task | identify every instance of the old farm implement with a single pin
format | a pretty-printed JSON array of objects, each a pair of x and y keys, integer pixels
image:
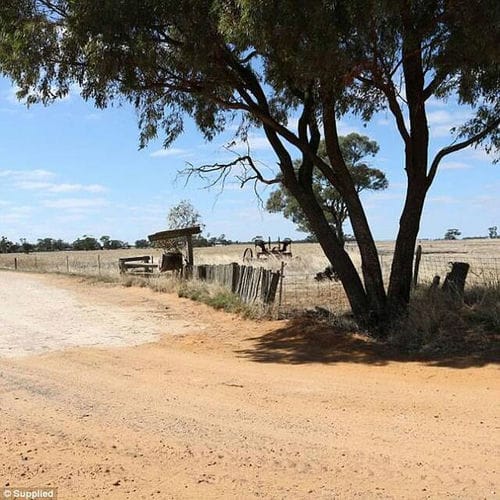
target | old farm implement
[
  {"x": 177, "y": 256},
  {"x": 263, "y": 250}
]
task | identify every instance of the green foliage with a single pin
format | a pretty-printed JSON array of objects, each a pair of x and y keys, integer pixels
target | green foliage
[
  {"x": 493, "y": 232},
  {"x": 26, "y": 246},
  {"x": 354, "y": 148},
  {"x": 210, "y": 241},
  {"x": 168, "y": 58},
  {"x": 86, "y": 243},
  {"x": 51, "y": 245},
  {"x": 452, "y": 234},
  {"x": 7, "y": 246},
  {"x": 109, "y": 244},
  {"x": 142, "y": 244}
]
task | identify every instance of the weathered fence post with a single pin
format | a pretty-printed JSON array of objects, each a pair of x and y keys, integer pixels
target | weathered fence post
[
  {"x": 418, "y": 257},
  {"x": 15, "y": 263},
  {"x": 273, "y": 285},
  {"x": 235, "y": 277},
  {"x": 454, "y": 282},
  {"x": 67, "y": 264},
  {"x": 282, "y": 275},
  {"x": 99, "y": 264}
]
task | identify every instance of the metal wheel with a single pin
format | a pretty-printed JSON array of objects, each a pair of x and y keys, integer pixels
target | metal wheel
[{"x": 247, "y": 254}]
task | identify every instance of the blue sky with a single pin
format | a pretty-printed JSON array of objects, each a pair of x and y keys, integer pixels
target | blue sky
[{"x": 70, "y": 169}]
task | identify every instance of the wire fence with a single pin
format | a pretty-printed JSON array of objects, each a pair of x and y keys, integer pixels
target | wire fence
[
  {"x": 298, "y": 290},
  {"x": 95, "y": 264},
  {"x": 303, "y": 291},
  {"x": 483, "y": 271}
]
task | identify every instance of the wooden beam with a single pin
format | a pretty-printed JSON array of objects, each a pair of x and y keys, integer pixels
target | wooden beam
[
  {"x": 190, "y": 258},
  {"x": 174, "y": 233}
]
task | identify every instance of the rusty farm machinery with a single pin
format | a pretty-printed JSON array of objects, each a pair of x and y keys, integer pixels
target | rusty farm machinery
[{"x": 265, "y": 250}]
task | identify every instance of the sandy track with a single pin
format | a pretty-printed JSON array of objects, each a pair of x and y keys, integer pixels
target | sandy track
[{"x": 197, "y": 415}]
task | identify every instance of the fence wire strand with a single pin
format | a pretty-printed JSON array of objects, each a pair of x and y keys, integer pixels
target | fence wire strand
[{"x": 299, "y": 290}]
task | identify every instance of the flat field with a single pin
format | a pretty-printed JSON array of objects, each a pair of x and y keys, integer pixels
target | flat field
[{"x": 307, "y": 258}]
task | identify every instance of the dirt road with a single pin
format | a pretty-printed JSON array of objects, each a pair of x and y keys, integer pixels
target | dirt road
[{"x": 213, "y": 406}]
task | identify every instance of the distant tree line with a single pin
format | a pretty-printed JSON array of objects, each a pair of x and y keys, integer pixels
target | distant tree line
[
  {"x": 453, "y": 234},
  {"x": 85, "y": 242}
]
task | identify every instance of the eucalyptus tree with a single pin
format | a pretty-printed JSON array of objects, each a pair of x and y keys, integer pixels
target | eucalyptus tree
[
  {"x": 265, "y": 62},
  {"x": 355, "y": 148}
]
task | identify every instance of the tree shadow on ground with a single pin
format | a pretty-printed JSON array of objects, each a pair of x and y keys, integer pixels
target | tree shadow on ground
[{"x": 303, "y": 341}]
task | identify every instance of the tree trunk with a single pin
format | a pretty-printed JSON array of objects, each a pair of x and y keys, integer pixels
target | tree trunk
[
  {"x": 402, "y": 262},
  {"x": 335, "y": 253},
  {"x": 341, "y": 179},
  {"x": 416, "y": 157},
  {"x": 372, "y": 272}
]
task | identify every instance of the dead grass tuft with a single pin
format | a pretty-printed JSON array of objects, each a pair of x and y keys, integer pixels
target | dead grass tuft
[{"x": 438, "y": 324}]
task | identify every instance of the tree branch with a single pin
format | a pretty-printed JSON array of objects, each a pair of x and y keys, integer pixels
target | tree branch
[
  {"x": 390, "y": 93},
  {"x": 433, "y": 85},
  {"x": 457, "y": 147},
  {"x": 223, "y": 170}
]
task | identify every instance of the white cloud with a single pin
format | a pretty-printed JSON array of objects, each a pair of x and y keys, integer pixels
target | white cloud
[
  {"x": 75, "y": 203},
  {"x": 434, "y": 102},
  {"x": 345, "y": 128},
  {"x": 484, "y": 198},
  {"x": 486, "y": 203},
  {"x": 441, "y": 121},
  {"x": 478, "y": 154},
  {"x": 384, "y": 196},
  {"x": 454, "y": 165},
  {"x": 443, "y": 199},
  {"x": 64, "y": 219},
  {"x": 178, "y": 152},
  {"x": 15, "y": 214},
  {"x": 69, "y": 188},
  {"x": 41, "y": 180},
  {"x": 255, "y": 142},
  {"x": 383, "y": 122},
  {"x": 27, "y": 175},
  {"x": 32, "y": 185}
]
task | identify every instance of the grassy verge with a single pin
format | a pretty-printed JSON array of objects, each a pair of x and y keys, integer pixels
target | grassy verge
[
  {"x": 438, "y": 324},
  {"x": 219, "y": 298},
  {"x": 210, "y": 294}
]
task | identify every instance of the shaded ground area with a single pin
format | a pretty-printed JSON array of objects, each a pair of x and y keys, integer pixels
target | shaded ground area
[
  {"x": 305, "y": 340},
  {"x": 193, "y": 415}
]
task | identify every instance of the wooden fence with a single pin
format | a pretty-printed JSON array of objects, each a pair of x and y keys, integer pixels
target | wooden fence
[{"x": 251, "y": 284}]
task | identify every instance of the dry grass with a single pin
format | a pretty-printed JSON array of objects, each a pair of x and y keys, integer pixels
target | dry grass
[
  {"x": 307, "y": 257},
  {"x": 300, "y": 289},
  {"x": 437, "y": 323}
]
